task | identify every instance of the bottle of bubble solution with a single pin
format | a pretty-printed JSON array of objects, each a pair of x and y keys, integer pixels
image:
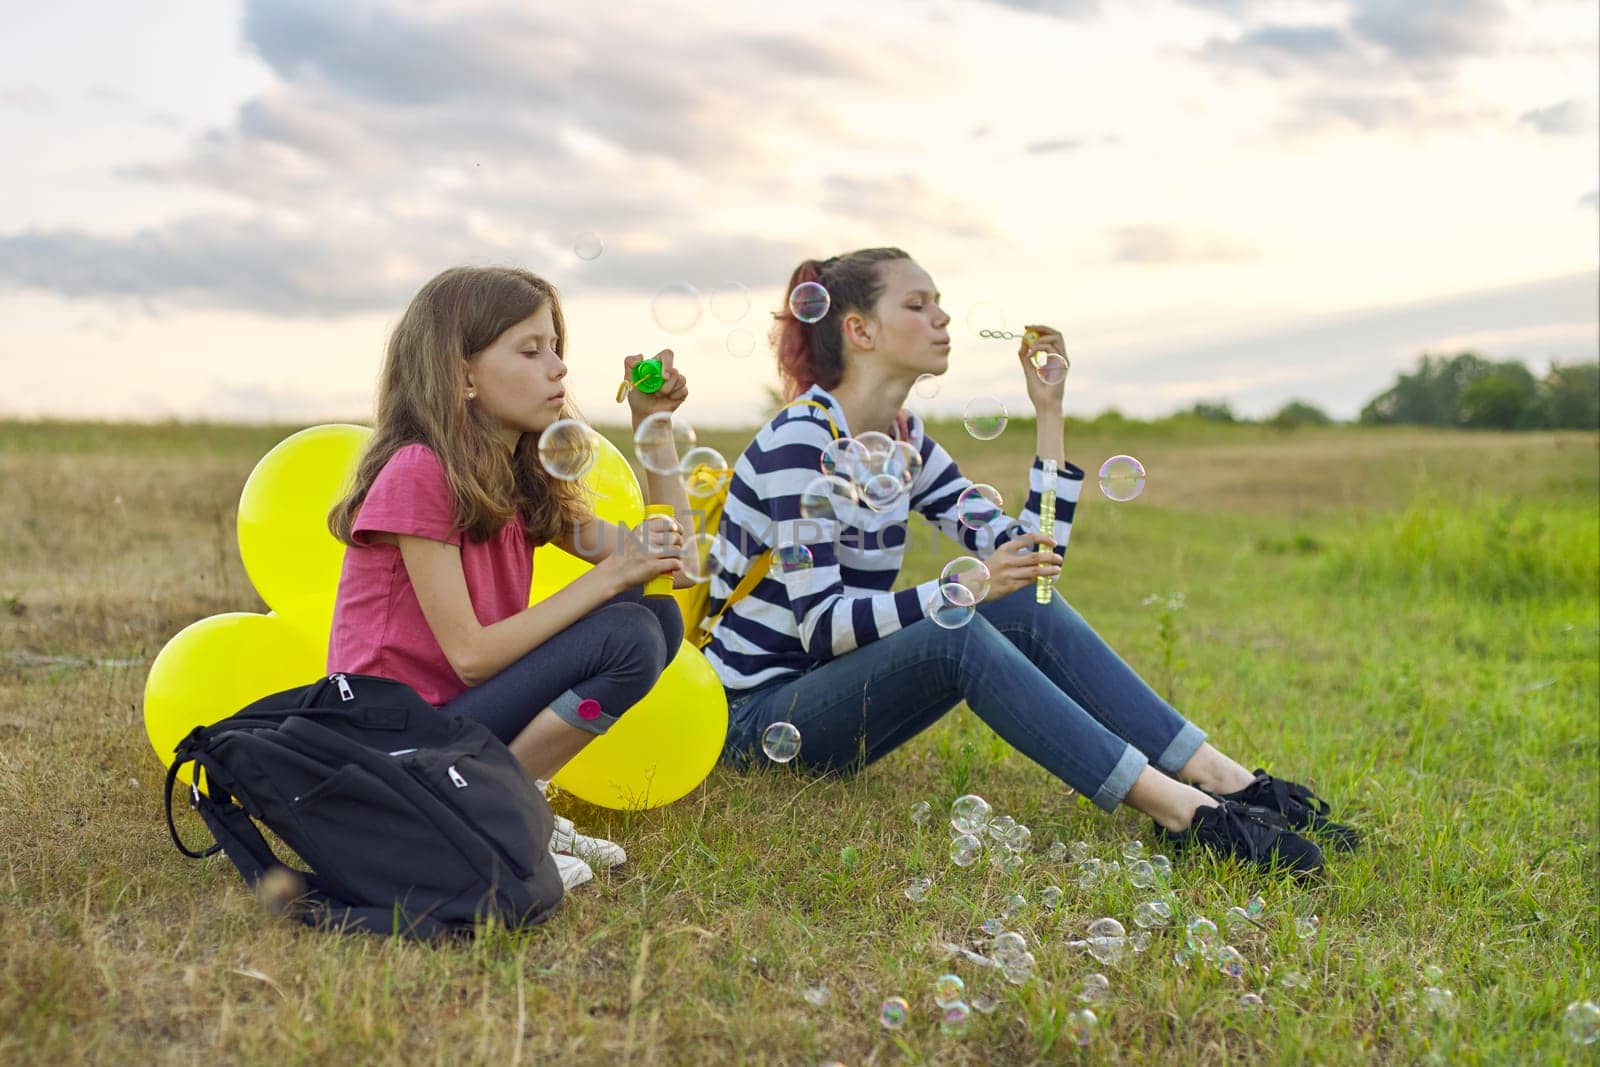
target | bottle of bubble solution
[
  {"x": 1047, "y": 524},
  {"x": 661, "y": 586}
]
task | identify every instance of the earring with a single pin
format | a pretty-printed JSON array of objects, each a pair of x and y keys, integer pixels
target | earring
[{"x": 472, "y": 394}]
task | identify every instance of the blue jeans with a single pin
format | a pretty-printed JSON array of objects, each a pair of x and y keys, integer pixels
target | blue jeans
[
  {"x": 589, "y": 674},
  {"x": 1037, "y": 674}
]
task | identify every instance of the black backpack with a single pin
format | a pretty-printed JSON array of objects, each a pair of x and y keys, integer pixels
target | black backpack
[{"x": 413, "y": 822}]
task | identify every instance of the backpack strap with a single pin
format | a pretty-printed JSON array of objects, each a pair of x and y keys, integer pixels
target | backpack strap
[{"x": 763, "y": 563}]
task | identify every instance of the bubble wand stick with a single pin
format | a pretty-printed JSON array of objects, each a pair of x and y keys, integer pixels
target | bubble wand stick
[{"x": 1047, "y": 522}]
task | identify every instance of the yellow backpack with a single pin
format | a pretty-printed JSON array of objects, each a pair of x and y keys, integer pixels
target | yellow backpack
[{"x": 707, "y": 489}]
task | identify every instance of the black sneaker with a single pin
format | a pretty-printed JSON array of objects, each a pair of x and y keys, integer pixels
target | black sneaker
[
  {"x": 1301, "y": 808},
  {"x": 1250, "y": 833}
]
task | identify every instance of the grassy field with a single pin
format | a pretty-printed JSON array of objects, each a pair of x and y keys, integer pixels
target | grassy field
[{"x": 1408, "y": 620}]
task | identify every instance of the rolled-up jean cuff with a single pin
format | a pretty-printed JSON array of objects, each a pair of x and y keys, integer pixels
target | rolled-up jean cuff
[
  {"x": 586, "y": 715},
  {"x": 1120, "y": 780},
  {"x": 1182, "y": 749}
]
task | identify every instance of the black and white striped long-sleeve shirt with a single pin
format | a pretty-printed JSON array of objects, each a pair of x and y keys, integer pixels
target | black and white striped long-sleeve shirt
[{"x": 793, "y": 620}]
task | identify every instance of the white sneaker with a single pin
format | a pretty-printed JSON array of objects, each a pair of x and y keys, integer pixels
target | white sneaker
[
  {"x": 597, "y": 851},
  {"x": 574, "y": 872}
]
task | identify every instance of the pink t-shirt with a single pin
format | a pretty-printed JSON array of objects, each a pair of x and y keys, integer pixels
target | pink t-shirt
[{"x": 378, "y": 626}]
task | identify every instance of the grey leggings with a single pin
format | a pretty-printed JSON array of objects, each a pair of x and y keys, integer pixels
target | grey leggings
[{"x": 589, "y": 673}]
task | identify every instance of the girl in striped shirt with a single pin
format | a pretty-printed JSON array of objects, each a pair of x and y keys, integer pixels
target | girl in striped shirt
[{"x": 857, "y": 667}]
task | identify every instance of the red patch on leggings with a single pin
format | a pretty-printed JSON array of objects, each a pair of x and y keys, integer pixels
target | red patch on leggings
[{"x": 588, "y": 709}]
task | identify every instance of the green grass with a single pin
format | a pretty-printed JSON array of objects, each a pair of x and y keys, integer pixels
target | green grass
[{"x": 1407, "y": 619}]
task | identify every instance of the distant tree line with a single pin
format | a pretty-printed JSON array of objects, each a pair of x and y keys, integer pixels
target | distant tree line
[{"x": 1464, "y": 390}]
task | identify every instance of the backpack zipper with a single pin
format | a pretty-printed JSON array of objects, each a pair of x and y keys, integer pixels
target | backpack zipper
[
  {"x": 455, "y": 777},
  {"x": 346, "y": 694}
]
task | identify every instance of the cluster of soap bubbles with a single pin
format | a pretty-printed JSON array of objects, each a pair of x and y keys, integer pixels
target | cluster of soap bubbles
[
  {"x": 664, "y": 444},
  {"x": 678, "y": 307}
]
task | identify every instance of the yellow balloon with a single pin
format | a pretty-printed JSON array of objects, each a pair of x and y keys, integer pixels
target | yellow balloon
[
  {"x": 662, "y": 747},
  {"x": 291, "y": 558},
  {"x": 216, "y": 666},
  {"x": 614, "y": 491}
]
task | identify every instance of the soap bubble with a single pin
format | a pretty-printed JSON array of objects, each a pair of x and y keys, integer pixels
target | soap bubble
[
  {"x": 947, "y": 989},
  {"x": 1106, "y": 940},
  {"x": 921, "y": 812},
  {"x": 793, "y": 559},
  {"x": 1252, "y": 1002},
  {"x": 1056, "y": 852},
  {"x": 1162, "y": 866},
  {"x": 1230, "y": 961},
  {"x": 882, "y": 491},
  {"x": 809, "y": 302},
  {"x": 1141, "y": 875},
  {"x": 567, "y": 449},
  {"x": 700, "y": 560},
  {"x": 985, "y": 418},
  {"x": 1020, "y": 839},
  {"x": 1139, "y": 940},
  {"x": 1091, "y": 872},
  {"x": 1438, "y": 1001},
  {"x": 879, "y": 448},
  {"x": 1007, "y": 945},
  {"x": 1237, "y": 920},
  {"x": 1093, "y": 988},
  {"x": 1133, "y": 850},
  {"x": 1005, "y": 862},
  {"x": 893, "y": 1013},
  {"x": 1016, "y": 903},
  {"x": 661, "y": 441},
  {"x": 985, "y": 315},
  {"x": 1081, "y": 851},
  {"x": 955, "y": 1018},
  {"x": 926, "y": 386},
  {"x": 1581, "y": 1022},
  {"x": 1019, "y": 969},
  {"x": 1081, "y": 1025},
  {"x": 917, "y": 889},
  {"x": 1255, "y": 907},
  {"x": 905, "y": 463},
  {"x": 1306, "y": 926},
  {"x": 704, "y": 470},
  {"x": 827, "y": 498},
  {"x": 952, "y": 606},
  {"x": 974, "y": 574},
  {"x": 1049, "y": 367},
  {"x": 740, "y": 342},
  {"x": 992, "y": 927},
  {"x": 676, "y": 307},
  {"x": 970, "y": 813},
  {"x": 730, "y": 302},
  {"x": 588, "y": 246},
  {"x": 978, "y": 506},
  {"x": 1051, "y": 897},
  {"x": 781, "y": 742},
  {"x": 1201, "y": 935},
  {"x": 1000, "y": 826},
  {"x": 1121, "y": 478},
  {"x": 1152, "y": 913},
  {"x": 965, "y": 850},
  {"x": 846, "y": 458}
]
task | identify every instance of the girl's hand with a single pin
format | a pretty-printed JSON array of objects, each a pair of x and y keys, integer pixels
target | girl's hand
[
  {"x": 673, "y": 392},
  {"x": 1016, "y": 564},
  {"x": 1045, "y": 398},
  {"x": 649, "y": 552}
]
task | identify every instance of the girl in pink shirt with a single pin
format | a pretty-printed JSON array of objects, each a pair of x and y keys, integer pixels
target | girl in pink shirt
[{"x": 450, "y": 500}]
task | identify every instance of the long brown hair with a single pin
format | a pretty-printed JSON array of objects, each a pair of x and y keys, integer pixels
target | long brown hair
[
  {"x": 813, "y": 353},
  {"x": 421, "y": 400}
]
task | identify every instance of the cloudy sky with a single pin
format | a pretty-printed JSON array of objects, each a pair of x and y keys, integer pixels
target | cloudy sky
[{"x": 218, "y": 208}]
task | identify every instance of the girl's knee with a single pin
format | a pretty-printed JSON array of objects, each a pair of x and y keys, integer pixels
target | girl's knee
[{"x": 633, "y": 639}]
